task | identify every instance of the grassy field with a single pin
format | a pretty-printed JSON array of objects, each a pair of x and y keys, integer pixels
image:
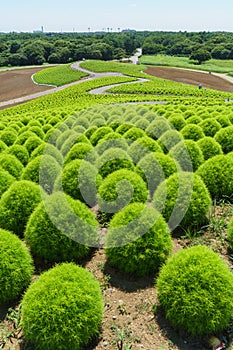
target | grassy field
[
  {"x": 218, "y": 66},
  {"x": 58, "y": 76}
]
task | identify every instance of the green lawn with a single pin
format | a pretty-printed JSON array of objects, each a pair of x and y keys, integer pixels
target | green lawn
[
  {"x": 59, "y": 75},
  {"x": 218, "y": 66}
]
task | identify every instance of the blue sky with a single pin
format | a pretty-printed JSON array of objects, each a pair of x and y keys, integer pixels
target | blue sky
[{"x": 79, "y": 15}]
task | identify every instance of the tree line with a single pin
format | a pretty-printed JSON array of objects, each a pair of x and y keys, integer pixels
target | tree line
[{"x": 18, "y": 49}]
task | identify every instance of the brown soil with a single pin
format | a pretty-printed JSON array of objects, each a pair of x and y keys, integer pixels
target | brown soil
[
  {"x": 191, "y": 77},
  {"x": 17, "y": 83}
]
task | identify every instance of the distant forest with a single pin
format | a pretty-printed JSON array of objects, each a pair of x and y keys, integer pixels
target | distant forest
[{"x": 19, "y": 49}]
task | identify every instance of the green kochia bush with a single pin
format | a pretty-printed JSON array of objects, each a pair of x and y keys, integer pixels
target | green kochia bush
[
  {"x": 11, "y": 164},
  {"x": 209, "y": 147},
  {"x": 19, "y": 152},
  {"x": 210, "y": 126},
  {"x": 113, "y": 159},
  {"x": 80, "y": 180},
  {"x": 63, "y": 309},
  {"x": 8, "y": 136},
  {"x": 195, "y": 288},
  {"x": 17, "y": 204},
  {"x": 183, "y": 199},
  {"x": 142, "y": 146},
  {"x": 16, "y": 267},
  {"x": 192, "y": 132},
  {"x": 61, "y": 228},
  {"x": 225, "y": 138},
  {"x": 99, "y": 134},
  {"x": 119, "y": 189},
  {"x": 138, "y": 240},
  {"x": 187, "y": 155},
  {"x": 216, "y": 173},
  {"x": 78, "y": 151}
]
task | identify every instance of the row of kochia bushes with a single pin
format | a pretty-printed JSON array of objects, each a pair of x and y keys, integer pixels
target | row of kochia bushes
[{"x": 132, "y": 157}]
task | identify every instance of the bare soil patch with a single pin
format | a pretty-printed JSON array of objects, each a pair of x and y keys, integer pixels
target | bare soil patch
[
  {"x": 17, "y": 83},
  {"x": 191, "y": 77}
]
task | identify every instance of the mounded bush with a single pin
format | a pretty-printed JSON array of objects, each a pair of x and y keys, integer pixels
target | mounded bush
[
  {"x": 209, "y": 147},
  {"x": 80, "y": 180},
  {"x": 183, "y": 200},
  {"x": 169, "y": 139},
  {"x": 64, "y": 137},
  {"x": 22, "y": 138},
  {"x": 11, "y": 164},
  {"x": 3, "y": 146},
  {"x": 49, "y": 149},
  {"x": 16, "y": 266},
  {"x": 195, "y": 288},
  {"x": 142, "y": 146},
  {"x": 225, "y": 138},
  {"x": 119, "y": 189},
  {"x": 123, "y": 128},
  {"x": 99, "y": 134},
  {"x": 32, "y": 143},
  {"x": 134, "y": 133},
  {"x": 5, "y": 180},
  {"x": 210, "y": 126},
  {"x": 112, "y": 160},
  {"x": 223, "y": 120},
  {"x": 216, "y": 173},
  {"x": 154, "y": 168},
  {"x": 43, "y": 170},
  {"x": 138, "y": 240},
  {"x": 158, "y": 127},
  {"x": 78, "y": 151},
  {"x": 187, "y": 155},
  {"x": 111, "y": 140},
  {"x": 192, "y": 132},
  {"x": 17, "y": 204},
  {"x": 52, "y": 135},
  {"x": 194, "y": 119},
  {"x": 91, "y": 131},
  {"x": 8, "y": 136},
  {"x": 177, "y": 121},
  {"x": 19, "y": 152},
  {"x": 72, "y": 297},
  {"x": 37, "y": 130},
  {"x": 60, "y": 229}
]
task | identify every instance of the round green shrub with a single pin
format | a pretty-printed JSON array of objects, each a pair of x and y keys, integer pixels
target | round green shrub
[
  {"x": 209, "y": 147},
  {"x": 192, "y": 132},
  {"x": 49, "y": 149},
  {"x": 183, "y": 200},
  {"x": 194, "y": 119},
  {"x": 22, "y": 138},
  {"x": 8, "y": 136},
  {"x": 119, "y": 189},
  {"x": 99, "y": 134},
  {"x": 142, "y": 146},
  {"x": 64, "y": 137},
  {"x": 80, "y": 180},
  {"x": 11, "y": 164},
  {"x": 134, "y": 133},
  {"x": 16, "y": 267},
  {"x": 37, "y": 130},
  {"x": 223, "y": 120},
  {"x": 52, "y": 135},
  {"x": 158, "y": 127},
  {"x": 123, "y": 128},
  {"x": 154, "y": 168},
  {"x": 112, "y": 160},
  {"x": 210, "y": 126},
  {"x": 78, "y": 151},
  {"x": 177, "y": 121},
  {"x": 19, "y": 152},
  {"x": 188, "y": 155},
  {"x": 111, "y": 140},
  {"x": 195, "y": 288},
  {"x": 91, "y": 131},
  {"x": 43, "y": 170},
  {"x": 142, "y": 123},
  {"x": 230, "y": 233},
  {"x": 72, "y": 297},
  {"x": 82, "y": 121},
  {"x": 5, "y": 180},
  {"x": 169, "y": 139},
  {"x": 138, "y": 240},
  {"x": 57, "y": 226},
  {"x": 17, "y": 204},
  {"x": 225, "y": 138},
  {"x": 32, "y": 143},
  {"x": 46, "y": 128},
  {"x": 216, "y": 173}
]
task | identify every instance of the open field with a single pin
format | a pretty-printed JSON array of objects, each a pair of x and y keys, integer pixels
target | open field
[
  {"x": 133, "y": 318},
  {"x": 218, "y": 66}
]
